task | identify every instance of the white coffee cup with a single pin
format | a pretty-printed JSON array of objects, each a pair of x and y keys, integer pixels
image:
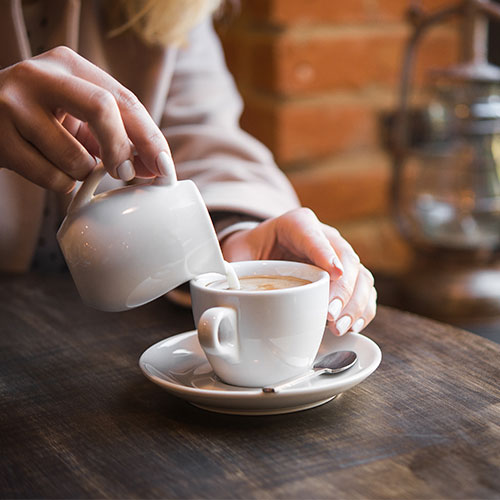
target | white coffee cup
[
  {"x": 128, "y": 246},
  {"x": 257, "y": 338}
]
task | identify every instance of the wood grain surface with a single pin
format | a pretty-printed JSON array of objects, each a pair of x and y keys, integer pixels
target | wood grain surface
[{"x": 79, "y": 420}]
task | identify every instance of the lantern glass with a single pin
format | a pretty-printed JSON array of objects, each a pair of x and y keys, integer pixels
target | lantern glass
[{"x": 449, "y": 193}]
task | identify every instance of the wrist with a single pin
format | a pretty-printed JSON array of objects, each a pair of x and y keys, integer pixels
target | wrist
[{"x": 234, "y": 228}]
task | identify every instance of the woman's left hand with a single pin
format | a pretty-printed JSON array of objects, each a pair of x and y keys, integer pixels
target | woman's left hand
[{"x": 298, "y": 235}]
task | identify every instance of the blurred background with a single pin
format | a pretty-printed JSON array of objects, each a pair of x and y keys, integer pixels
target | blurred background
[{"x": 321, "y": 80}]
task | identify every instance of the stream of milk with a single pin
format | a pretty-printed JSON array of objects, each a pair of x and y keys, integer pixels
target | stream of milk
[{"x": 231, "y": 277}]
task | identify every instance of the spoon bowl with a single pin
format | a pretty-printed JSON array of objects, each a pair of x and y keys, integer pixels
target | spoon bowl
[{"x": 331, "y": 363}]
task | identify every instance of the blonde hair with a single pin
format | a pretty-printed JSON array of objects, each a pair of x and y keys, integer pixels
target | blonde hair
[{"x": 158, "y": 22}]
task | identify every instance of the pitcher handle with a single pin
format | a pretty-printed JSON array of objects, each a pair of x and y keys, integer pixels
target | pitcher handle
[{"x": 87, "y": 189}]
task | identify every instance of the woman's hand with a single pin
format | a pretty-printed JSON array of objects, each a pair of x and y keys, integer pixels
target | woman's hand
[
  {"x": 298, "y": 235},
  {"x": 58, "y": 111}
]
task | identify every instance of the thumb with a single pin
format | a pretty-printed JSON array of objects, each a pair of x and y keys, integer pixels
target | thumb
[{"x": 303, "y": 233}]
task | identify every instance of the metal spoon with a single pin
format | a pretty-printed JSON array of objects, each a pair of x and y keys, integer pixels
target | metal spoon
[{"x": 333, "y": 362}]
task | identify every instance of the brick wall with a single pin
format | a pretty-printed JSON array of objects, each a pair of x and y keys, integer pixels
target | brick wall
[{"x": 317, "y": 76}]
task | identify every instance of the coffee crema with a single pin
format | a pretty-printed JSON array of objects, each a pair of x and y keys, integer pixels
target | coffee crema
[{"x": 259, "y": 283}]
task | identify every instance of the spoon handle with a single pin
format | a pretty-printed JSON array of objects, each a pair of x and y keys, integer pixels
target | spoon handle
[{"x": 294, "y": 380}]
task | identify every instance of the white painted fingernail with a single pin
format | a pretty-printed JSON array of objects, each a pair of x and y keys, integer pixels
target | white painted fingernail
[
  {"x": 335, "y": 307},
  {"x": 336, "y": 263},
  {"x": 358, "y": 325},
  {"x": 343, "y": 324},
  {"x": 166, "y": 167},
  {"x": 126, "y": 171}
]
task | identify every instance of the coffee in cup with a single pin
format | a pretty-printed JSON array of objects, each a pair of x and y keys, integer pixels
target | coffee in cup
[
  {"x": 261, "y": 283},
  {"x": 268, "y": 330}
]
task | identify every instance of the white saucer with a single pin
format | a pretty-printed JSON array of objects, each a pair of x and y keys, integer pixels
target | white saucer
[{"x": 178, "y": 364}]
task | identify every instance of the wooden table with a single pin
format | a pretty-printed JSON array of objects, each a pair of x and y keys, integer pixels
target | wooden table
[{"x": 79, "y": 420}]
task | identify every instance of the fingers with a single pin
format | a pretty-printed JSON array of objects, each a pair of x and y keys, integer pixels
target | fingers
[
  {"x": 360, "y": 307},
  {"x": 59, "y": 147},
  {"x": 68, "y": 110},
  {"x": 96, "y": 106},
  {"x": 36, "y": 111},
  {"x": 139, "y": 126},
  {"x": 342, "y": 289},
  {"x": 352, "y": 296},
  {"x": 24, "y": 159},
  {"x": 370, "y": 310},
  {"x": 141, "y": 170},
  {"x": 81, "y": 132},
  {"x": 148, "y": 140},
  {"x": 301, "y": 230}
]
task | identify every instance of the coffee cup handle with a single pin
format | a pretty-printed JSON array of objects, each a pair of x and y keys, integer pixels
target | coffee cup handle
[
  {"x": 87, "y": 189},
  {"x": 217, "y": 333}
]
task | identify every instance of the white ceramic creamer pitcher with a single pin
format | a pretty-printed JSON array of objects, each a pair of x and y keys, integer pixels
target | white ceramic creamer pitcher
[{"x": 128, "y": 246}]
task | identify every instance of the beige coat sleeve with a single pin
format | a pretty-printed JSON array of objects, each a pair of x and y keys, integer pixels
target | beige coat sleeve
[{"x": 233, "y": 171}]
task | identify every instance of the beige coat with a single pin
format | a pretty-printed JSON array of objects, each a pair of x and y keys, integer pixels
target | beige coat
[{"x": 187, "y": 91}]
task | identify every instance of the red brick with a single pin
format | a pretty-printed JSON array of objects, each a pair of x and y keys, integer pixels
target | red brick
[
  {"x": 319, "y": 129},
  {"x": 301, "y": 130},
  {"x": 304, "y": 65},
  {"x": 303, "y": 12},
  {"x": 396, "y": 10},
  {"x": 261, "y": 120},
  {"x": 238, "y": 52},
  {"x": 291, "y": 65},
  {"x": 308, "y": 12},
  {"x": 345, "y": 188}
]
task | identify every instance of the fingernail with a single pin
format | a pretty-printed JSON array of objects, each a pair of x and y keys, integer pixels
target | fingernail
[
  {"x": 358, "y": 325},
  {"x": 343, "y": 324},
  {"x": 126, "y": 171},
  {"x": 165, "y": 165},
  {"x": 335, "y": 307},
  {"x": 337, "y": 264}
]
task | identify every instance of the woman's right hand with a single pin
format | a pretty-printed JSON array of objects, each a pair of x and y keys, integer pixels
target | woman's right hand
[{"x": 58, "y": 111}]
